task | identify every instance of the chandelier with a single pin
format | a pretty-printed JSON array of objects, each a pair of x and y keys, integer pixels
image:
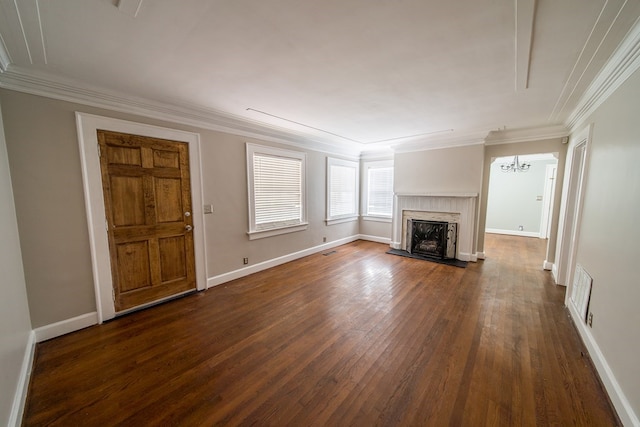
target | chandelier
[{"x": 515, "y": 166}]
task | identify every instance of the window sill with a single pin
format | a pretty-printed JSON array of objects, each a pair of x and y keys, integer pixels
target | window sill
[
  {"x": 376, "y": 218},
  {"x": 253, "y": 235},
  {"x": 341, "y": 220}
]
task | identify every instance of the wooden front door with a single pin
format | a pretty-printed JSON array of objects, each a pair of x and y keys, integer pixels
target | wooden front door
[{"x": 147, "y": 196}]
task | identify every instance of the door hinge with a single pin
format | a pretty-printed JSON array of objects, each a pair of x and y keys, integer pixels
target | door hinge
[
  {"x": 99, "y": 151},
  {"x": 106, "y": 224},
  {"x": 113, "y": 294}
]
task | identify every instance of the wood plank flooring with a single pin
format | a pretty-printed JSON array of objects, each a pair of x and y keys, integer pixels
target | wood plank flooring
[{"x": 355, "y": 338}]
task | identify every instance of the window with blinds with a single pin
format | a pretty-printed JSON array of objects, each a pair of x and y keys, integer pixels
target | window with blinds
[
  {"x": 379, "y": 189},
  {"x": 276, "y": 189},
  {"x": 342, "y": 189}
]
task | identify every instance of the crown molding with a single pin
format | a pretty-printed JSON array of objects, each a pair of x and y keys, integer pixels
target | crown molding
[
  {"x": 27, "y": 81},
  {"x": 438, "y": 142},
  {"x": 525, "y": 135},
  {"x": 376, "y": 155},
  {"x": 622, "y": 64},
  {"x": 5, "y": 59}
]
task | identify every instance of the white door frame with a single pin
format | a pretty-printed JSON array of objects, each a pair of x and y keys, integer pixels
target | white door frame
[
  {"x": 571, "y": 208},
  {"x": 547, "y": 200},
  {"x": 87, "y": 126}
]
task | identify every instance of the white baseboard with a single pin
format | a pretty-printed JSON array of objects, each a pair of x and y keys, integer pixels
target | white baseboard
[
  {"x": 396, "y": 245},
  {"x": 554, "y": 274},
  {"x": 617, "y": 396},
  {"x": 513, "y": 232},
  {"x": 236, "y": 274},
  {"x": 481, "y": 255},
  {"x": 57, "y": 329},
  {"x": 463, "y": 256},
  {"x": 376, "y": 239},
  {"x": 546, "y": 265},
  {"x": 20, "y": 398}
]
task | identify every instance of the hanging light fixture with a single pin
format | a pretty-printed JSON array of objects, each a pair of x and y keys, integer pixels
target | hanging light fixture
[{"x": 515, "y": 166}]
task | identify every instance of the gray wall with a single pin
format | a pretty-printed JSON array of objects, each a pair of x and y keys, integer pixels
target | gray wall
[
  {"x": 47, "y": 182},
  {"x": 608, "y": 235},
  {"x": 512, "y": 199},
  {"x": 15, "y": 325}
]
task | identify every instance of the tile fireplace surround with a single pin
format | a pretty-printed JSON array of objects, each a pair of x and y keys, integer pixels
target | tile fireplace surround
[{"x": 449, "y": 207}]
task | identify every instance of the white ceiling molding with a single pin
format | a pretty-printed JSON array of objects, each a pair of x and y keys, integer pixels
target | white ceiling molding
[
  {"x": 609, "y": 15},
  {"x": 130, "y": 7},
  {"x": 623, "y": 63},
  {"x": 525, "y": 135},
  {"x": 5, "y": 59},
  {"x": 23, "y": 24},
  {"x": 28, "y": 81},
  {"x": 24, "y": 34},
  {"x": 435, "y": 143},
  {"x": 44, "y": 46},
  {"x": 525, "y": 21},
  {"x": 376, "y": 155}
]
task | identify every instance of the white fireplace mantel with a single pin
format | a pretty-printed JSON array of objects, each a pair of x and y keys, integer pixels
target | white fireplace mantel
[{"x": 463, "y": 204}]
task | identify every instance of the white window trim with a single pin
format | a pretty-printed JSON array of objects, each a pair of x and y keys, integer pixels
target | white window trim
[
  {"x": 365, "y": 190},
  {"x": 377, "y": 218},
  {"x": 339, "y": 219},
  {"x": 279, "y": 152}
]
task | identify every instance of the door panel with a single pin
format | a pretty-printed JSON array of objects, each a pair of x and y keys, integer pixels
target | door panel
[
  {"x": 173, "y": 264},
  {"x": 127, "y": 195},
  {"x": 134, "y": 266},
  {"x": 168, "y": 200},
  {"x": 165, "y": 159},
  {"x": 147, "y": 194},
  {"x": 124, "y": 156}
]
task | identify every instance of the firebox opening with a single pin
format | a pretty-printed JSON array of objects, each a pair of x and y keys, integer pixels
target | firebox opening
[{"x": 435, "y": 239}]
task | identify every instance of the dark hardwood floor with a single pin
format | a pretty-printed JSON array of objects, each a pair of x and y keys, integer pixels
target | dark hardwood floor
[{"x": 357, "y": 338}]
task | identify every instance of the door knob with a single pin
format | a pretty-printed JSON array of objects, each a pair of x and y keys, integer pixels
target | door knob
[{"x": 188, "y": 227}]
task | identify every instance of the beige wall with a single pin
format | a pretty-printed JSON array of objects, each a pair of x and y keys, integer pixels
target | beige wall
[
  {"x": 450, "y": 170},
  {"x": 47, "y": 181},
  {"x": 376, "y": 229},
  {"x": 554, "y": 145},
  {"x": 15, "y": 325},
  {"x": 609, "y": 235},
  {"x": 47, "y": 186}
]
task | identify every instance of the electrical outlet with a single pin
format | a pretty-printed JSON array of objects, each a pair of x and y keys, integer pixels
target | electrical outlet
[
  {"x": 208, "y": 209},
  {"x": 590, "y": 320},
  {"x": 521, "y": 228},
  {"x": 245, "y": 260},
  {"x": 324, "y": 239}
]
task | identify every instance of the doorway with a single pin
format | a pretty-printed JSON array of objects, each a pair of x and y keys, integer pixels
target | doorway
[
  {"x": 88, "y": 126},
  {"x": 570, "y": 214},
  {"x": 520, "y": 202}
]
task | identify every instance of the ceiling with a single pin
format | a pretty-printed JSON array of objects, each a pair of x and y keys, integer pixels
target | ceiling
[{"x": 342, "y": 72}]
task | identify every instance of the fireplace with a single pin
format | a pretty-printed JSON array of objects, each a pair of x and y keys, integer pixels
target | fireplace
[
  {"x": 458, "y": 208},
  {"x": 436, "y": 239}
]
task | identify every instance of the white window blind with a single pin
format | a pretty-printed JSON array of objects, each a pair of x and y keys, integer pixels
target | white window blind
[
  {"x": 276, "y": 190},
  {"x": 379, "y": 191},
  {"x": 342, "y": 189}
]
